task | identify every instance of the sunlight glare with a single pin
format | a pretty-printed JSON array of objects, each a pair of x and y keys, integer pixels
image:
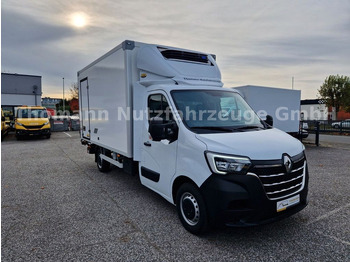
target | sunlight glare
[{"x": 79, "y": 19}]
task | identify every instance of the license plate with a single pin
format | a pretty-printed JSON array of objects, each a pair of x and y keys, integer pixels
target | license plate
[{"x": 283, "y": 204}]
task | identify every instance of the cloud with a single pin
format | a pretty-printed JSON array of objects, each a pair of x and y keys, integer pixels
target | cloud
[
  {"x": 256, "y": 42},
  {"x": 18, "y": 30}
]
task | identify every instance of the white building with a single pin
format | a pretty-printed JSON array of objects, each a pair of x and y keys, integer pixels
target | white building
[
  {"x": 314, "y": 109},
  {"x": 49, "y": 102}
]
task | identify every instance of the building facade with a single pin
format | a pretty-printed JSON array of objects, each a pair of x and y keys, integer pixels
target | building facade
[
  {"x": 18, "y": 90},
  {"x": 49, "y": 102},
  {"x": 314, "y": 109}
]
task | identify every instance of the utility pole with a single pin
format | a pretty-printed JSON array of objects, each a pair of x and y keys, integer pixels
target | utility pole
[{"x": 63, "y": 99}]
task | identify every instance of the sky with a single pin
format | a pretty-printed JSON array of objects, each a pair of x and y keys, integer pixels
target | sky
[{"x": 263, "y": 43}]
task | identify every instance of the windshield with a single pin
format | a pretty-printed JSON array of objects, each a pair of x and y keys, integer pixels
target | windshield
[
  {"x": 215, "y": 110},
  {"x": 32, "y": 113}
]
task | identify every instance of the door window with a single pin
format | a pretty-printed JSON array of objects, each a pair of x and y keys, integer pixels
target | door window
[{"x": 158, "y": 106}]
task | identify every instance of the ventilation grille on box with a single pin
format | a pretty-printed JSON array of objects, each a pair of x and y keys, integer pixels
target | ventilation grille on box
[{"x": 185, "y": 56}]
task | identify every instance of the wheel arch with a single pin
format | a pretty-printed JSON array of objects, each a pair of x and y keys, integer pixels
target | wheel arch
[{"x": 180, "y": 180}]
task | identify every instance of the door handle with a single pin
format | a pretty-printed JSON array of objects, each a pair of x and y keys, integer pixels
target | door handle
[{"x": 147, "y": 143}]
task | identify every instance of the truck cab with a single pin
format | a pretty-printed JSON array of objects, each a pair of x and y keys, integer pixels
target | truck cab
[
  {"x": 32, "y": 121},
  {"x": 206, "y": 145},
  {"x": 162, "y": 113}
]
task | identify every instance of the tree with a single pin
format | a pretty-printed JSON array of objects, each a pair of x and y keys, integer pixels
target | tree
[
  {"x": 74, "y": 91},
  {"x": 336, "y": 92},
  {"x": 60, "y": 109}
]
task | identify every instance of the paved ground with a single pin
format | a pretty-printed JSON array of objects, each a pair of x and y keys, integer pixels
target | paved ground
[
  {"x": 337, "y": 139},
  {"x": 56, "y": 206}
]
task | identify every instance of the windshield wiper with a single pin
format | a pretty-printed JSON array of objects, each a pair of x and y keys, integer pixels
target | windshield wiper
[
  {"x": 249, "y": 127},
  {"x": 216, "y": 128}
]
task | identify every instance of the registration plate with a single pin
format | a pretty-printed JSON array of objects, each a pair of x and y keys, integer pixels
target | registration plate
[{"x": 283, "y": 204}]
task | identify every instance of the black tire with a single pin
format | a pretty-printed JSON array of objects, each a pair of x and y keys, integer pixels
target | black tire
[
  {"x": 336, "y": 126},
  {"x": 102, "y": 165},
  {"x": 191, "y": 209},
  {"x": 48, "y": 136}
]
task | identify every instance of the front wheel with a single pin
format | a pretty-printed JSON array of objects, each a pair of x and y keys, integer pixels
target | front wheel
[
  {"x": 191, "y": 209},
  {"x": 102, "y": 164}
]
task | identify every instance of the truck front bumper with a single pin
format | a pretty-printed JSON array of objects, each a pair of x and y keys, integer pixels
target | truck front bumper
[
  {"x": 241, "y": 200},
  {"x": 36, "y": 132}
]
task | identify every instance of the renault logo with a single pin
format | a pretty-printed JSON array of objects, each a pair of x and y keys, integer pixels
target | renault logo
[{"x": 287, "y": 162}]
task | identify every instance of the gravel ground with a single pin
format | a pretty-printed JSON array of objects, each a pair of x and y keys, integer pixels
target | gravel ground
[{"x": 56, "y": 206}]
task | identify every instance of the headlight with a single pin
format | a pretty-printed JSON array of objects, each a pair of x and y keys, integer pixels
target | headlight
[
  {"x": 20, "y": 124},
  {"x": 226, "y": 164},
  {"x": 46, "y": 123}
]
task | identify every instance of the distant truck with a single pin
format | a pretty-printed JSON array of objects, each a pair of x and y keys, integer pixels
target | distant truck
[
  {"x": 282, "y": 104},
  {"x": 32, "y": 121},
  {"x": 161, "y": 112}
]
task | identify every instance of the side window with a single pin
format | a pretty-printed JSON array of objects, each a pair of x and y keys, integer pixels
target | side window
[
  {"x": 158, "y": 106},
  {"x": 154, "y": 105}
]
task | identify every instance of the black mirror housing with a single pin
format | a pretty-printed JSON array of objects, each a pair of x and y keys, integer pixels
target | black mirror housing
[
  {"x": 269, "y": 120},
  {"x": 160, "y": 130}
]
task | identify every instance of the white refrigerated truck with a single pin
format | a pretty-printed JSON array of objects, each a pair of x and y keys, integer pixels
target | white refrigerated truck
[
  {"x": 282, "y": 104},
  {"x": 162, "y": 113}
]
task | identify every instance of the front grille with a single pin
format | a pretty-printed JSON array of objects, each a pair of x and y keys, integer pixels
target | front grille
[
  {"x": 33, "y": 127},
  {"x": 276, "y": 181}
]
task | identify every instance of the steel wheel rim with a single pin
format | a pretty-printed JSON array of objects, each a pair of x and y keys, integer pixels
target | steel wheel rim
[{"x": 189, "y": 209}]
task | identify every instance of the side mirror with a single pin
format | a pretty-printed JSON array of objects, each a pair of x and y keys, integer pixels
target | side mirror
[
  {"x": 269, "y": 120},
  {"x": 160, "y": 130},
  {"x": 2, "y": 118}
]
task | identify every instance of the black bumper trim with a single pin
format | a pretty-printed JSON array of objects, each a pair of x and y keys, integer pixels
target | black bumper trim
[
  {"x": 40, "y": 132},
  {"x": 240, "y": 200}
]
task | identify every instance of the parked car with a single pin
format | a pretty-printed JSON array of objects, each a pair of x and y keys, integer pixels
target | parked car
[
  {"x": 305, "y": 125},
  {"x": 4, "y": 126},
  {"x": 342, "y": 124},
  {"x": 304, "y": 133}
]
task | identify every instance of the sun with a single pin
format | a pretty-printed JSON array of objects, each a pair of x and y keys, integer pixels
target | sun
[{"x": 79, "y": 19}]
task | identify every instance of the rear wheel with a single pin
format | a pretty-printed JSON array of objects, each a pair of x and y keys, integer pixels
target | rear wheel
[
  {"x": 191, "y": 209},
  {"x": 102, "y": 164}
]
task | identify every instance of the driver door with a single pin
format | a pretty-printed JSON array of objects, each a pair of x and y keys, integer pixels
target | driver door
[{"x": 158, "y": 164}]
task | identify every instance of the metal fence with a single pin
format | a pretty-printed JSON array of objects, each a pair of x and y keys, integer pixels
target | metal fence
[{"x": 327, "y": 126}]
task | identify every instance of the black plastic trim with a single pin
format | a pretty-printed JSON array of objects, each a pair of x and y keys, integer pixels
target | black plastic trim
[
  {"x": 240, "y": 200},
  {"x": 128, "y": 45},
  {"x": 185, "y": 56},
  {"x": 150, "y": 174}
]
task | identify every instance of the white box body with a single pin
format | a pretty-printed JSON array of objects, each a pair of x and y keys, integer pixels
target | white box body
[{"x": 282, "y": 104}]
